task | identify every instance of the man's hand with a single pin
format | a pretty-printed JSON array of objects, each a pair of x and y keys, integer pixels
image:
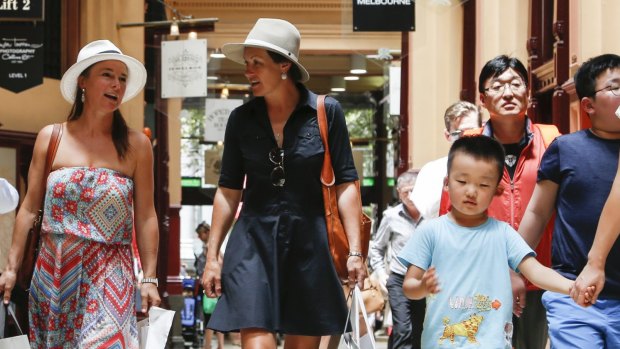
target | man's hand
[
  {"x": 518, "y": 293},
  {"x": 591, "y": 280},
  {"x": 381, "y": 277}
]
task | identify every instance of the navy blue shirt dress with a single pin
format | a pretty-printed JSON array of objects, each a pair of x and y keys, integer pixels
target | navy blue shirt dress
[{"x": 278, "y": 274}]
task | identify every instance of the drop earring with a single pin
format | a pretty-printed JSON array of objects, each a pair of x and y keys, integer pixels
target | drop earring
[
  {"x": 283, "y": 76},
  {"x": 83, "y": 95}
]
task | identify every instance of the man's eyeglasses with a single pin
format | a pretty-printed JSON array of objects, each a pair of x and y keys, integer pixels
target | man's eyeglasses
[
  {"x": 276, "y": 156},
  {"x": 456, "y": 134},
  {"x": 496, "y": 88},
  {"x": 614, "y": 89}
]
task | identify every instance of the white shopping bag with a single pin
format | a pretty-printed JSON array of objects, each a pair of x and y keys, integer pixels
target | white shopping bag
[
  {"x": 17, "y": 342},
  {"x": 361, "y": 336},
  {"x": 153, "y": 331}
]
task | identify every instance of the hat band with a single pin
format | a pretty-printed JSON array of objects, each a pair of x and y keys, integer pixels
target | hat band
[
  {"x": 109, "y": 51},
  {"x": 261, "y": 43}
]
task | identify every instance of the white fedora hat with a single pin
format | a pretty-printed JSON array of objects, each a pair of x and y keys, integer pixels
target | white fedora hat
[
  {"x": 97, "y": 51},
  {"x": 275, "y": 35}
]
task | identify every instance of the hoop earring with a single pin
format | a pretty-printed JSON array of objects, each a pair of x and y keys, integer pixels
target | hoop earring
[
  {"x": 283, "y": 76},
  {"x": 83, "y": 95}
]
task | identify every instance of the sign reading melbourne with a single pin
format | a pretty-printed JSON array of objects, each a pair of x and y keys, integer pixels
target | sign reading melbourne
[
  {"x": 21, "y": 10},
  {"x": 384, "y": 15},
  {"x": 21, "y": 57}
]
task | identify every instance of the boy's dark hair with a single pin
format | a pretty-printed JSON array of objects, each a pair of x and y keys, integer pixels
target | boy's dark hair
[
  {"x": 499, "y": 65},
  {"x": 480, "y": 147},
  {"x": 585, "y": 77}
]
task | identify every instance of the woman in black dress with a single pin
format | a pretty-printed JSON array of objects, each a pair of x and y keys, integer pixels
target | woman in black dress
[{"x": 278, "y": 275}]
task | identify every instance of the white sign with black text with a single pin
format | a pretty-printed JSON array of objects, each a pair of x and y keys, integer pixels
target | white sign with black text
[
  {"x": 217, "y": 112},
  {"x": 184, "y": 68}
]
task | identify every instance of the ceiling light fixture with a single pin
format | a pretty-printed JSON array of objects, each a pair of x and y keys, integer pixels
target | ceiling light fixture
[
  {"x": 217, "y": 54},
  {"x": 338, "y": 84},
  {"x": 352, "y": 78},
  {"x": 174, "y": 28},
  {"x": 358, "y": 64}
]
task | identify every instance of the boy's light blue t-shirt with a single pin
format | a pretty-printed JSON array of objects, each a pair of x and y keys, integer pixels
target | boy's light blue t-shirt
[{"x": 474, "y": 307}]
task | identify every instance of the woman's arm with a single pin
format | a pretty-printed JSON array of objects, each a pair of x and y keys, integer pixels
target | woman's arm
[
  {"x": 27, "y": 212},
  {"x": 145, "y": 218},
  {"x": 349, "y": 207},
  {"x": 593, "y": 274},
  {"x": 225, "y": 205}
]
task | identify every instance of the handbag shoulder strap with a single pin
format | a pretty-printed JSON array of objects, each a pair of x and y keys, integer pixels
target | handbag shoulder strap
[
  {"x": 327, "y": 172},
  {"x": 51, "y": 154}
]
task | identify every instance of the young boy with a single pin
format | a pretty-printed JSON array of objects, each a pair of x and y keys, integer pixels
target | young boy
[{"x": 466, "y": 255}]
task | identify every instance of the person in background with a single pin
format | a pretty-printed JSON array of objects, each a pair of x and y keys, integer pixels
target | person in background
[
  {"x": 99, "y": 189},
  {"x": 574, "y": 181},
  {"x": 9, "y": 197},
  {"x": 460, "y": 261},
  {"x": 397, "y": 226},
  {"x": 503, "y": 87},
  {"x": 426, "y": 194},
  {"x": 203, "y": 230},
  {"x": 278, "y": 254}
]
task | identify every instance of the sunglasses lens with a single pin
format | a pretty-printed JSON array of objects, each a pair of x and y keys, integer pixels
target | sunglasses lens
[
  {"x": 277, "y": 176},
  {"x": 276, "y": 156}
]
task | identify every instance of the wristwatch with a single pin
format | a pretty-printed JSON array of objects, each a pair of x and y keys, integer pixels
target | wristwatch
[
  {"x": 355, "y": 254},
  {"x": 151, "y": 281}
]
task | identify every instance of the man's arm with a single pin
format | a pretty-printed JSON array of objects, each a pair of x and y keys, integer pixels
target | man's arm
[
  {"x": 538, "y": 212},
  {"x": 378, "y": 248},
  {"x": 537, "y": 215}
]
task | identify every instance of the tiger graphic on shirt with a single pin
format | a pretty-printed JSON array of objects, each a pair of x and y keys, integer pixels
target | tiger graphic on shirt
[{"x": 467, "y": 328}]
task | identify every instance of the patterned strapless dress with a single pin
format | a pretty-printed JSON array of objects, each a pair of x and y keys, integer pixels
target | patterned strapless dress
[{"x": 82, "y": 291}]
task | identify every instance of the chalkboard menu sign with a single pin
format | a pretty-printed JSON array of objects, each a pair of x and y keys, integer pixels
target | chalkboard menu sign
[
  {"x": 21, "y": 10},
  {"x": 21, "y": 57}
]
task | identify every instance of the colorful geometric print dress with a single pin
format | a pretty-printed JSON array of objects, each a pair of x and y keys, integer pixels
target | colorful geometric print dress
[{"x": 82, "y": 292}]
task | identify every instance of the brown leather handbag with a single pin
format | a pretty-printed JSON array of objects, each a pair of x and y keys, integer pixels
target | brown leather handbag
[
  {"x": 337, "y": 237},
  {"x": 31, "y": 251}
]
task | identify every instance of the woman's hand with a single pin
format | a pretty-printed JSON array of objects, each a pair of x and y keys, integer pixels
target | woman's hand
[
  {"x": 7, "y": 283},
  {"x": 212, "y": 279},
  {"x": 149, "y": 295},
  {"x": 357, "y": 271}
]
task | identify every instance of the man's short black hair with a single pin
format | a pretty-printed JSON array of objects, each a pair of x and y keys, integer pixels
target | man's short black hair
[
  {"x": 481, "y": 148},
  {"x": 585, "y": 77},
  {"x": 497, "y": 66}
]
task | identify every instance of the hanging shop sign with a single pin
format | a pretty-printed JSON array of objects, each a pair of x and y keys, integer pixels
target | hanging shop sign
[
  {"x": 217, "y": 111},
  {"x": 21, "y": 10},
  {"x": 384, "y": 15},
  {"x": 21, "y": 57},
  {"x": 184, "y": 68}
]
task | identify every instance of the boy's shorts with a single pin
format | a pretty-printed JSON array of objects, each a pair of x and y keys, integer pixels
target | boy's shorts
[{"x": 573, "y": 326}]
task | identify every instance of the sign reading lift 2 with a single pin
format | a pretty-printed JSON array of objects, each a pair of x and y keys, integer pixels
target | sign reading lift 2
[{"x": 383, "y": 15}]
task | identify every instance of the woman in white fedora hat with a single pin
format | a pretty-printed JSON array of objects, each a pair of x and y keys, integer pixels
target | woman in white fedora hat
[
  {"x": 277, "y": 275},
  {"x": 100, "y": 187}
]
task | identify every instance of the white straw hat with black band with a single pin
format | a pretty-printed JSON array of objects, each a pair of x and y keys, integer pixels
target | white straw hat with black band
[
  {"x": 272, "y": 34},
  {"x": 97, "y": 51}
]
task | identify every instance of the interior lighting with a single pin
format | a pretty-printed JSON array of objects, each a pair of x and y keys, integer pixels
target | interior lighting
[
  {"x": 358, "y": 64},
  {"x": 338, "y": 84}
]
